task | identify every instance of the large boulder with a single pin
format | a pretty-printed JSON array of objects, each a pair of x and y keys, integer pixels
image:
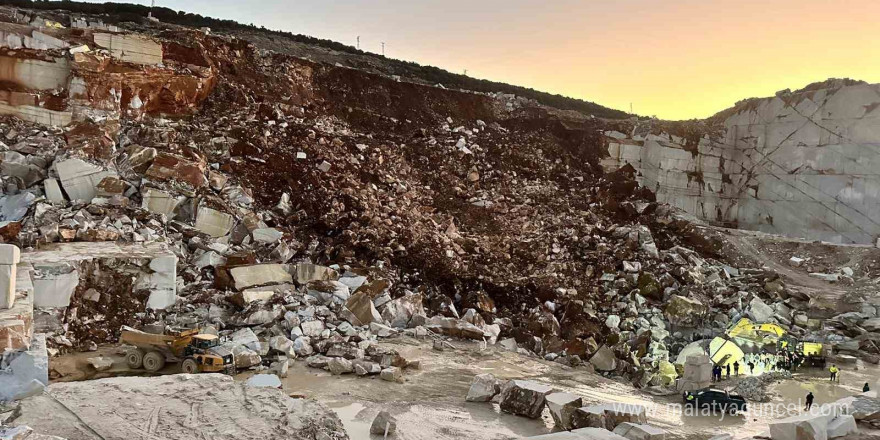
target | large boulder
[
  {"x": 400, "y": 311},
  {"x": 282, "y": 345},
  {"x": 697, "y": 373},
  {"x": 245, "y": 348},
  {"x": 609, "y": 415},
  {"x": 482, "y": 388},
  {"x": 596, "y": 434},
  {"x": 383, "y": 424},
  {"x": 866, "y": 407},
  {"x": 524, "y": 398},
  {"x": 302, "y": 346},
  {"x": 339, "y": 366},
  {"x": 454, "y": 327},
  {"x": 391, "y": 374},
  {"x": 872, "y": 325},
  {"x": 842, "y": 425},
  {"x": 684, "y": 312},
  {"x": 693, "y": 348},
  {"x": 328, "y": 291},
  {"x": 589, "y": 417},
  {"x": 634, "y": 431},
  {"x": 307, "y": 272},
  {"x": 562, "y": 407},
  {"x": 649, "y": 287},
  {"x": 620, "y": 413},
  {"x": 117, "y": 408},
  {"x": 760, "y": 311},
  {"x": 604, "y": 359},
  {"x": 801, "y": 427},
  {"x": 359, "y": 310},
  {"x": 580, "y": 434},
  {"x": 259, "y": 275}
]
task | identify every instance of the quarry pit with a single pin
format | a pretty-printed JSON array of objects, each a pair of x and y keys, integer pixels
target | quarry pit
[{"x": 380, "y": 253}]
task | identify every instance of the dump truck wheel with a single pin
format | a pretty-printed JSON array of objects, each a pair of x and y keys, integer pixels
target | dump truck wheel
[
  {"x": 135, "y": 358},
  {"x": 190, "y": 366},
  {"x": 154, "y": 361}
]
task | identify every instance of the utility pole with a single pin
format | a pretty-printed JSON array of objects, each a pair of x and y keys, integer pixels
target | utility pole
[
  {"x": 152, "y": 5},
  {"x": 359, "y": 42},
  {"x": 630, "y": 108},
  {"x": 383, "y": 48}
]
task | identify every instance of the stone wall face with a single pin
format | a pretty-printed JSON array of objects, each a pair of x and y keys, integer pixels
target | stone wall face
[{"x": 802, "y": 164}]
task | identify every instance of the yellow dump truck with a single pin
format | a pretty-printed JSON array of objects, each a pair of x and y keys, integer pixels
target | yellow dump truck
[{"x": 196, "y": 352}]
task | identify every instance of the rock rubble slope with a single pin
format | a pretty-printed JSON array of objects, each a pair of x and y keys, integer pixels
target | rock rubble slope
[{"x": 311, "y": 209}]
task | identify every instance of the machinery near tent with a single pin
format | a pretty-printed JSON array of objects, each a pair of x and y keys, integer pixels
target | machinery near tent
[
  {"x": 747, "y": 336},
  {"x": 196, "y": 352}
]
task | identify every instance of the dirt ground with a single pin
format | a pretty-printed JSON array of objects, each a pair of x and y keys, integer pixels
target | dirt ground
[{"x": 430, "y": 404}]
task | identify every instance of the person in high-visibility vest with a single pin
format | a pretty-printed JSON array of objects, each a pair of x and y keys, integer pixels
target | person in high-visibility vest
[{"x": 834, "y": 371}]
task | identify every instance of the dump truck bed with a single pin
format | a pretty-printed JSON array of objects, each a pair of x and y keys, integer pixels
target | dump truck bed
[{"x": 147, "y": 340}]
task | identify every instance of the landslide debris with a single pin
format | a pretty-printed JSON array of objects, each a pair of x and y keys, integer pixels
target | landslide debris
[{"x": 313, "y": 208}]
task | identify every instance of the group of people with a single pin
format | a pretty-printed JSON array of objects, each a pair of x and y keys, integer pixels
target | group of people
[
  {"x": 718, "y": 371},
  {"x": 758, "y": 363},
  {"x": 764, "y": 363},
  {"x": 767, "y": 362}
]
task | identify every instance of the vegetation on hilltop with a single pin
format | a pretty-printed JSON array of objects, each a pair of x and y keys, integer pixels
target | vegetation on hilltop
[{"x": 122, "y": 12}]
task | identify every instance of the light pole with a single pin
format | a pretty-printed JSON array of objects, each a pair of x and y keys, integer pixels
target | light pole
[{"x": 383, "y": 48}]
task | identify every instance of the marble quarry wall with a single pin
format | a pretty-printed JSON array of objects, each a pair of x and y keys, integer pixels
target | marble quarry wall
[{"x": 803, "y": 164}]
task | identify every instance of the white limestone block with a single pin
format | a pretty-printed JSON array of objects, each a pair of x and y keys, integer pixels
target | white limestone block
[{"x": 213, "y": 222}]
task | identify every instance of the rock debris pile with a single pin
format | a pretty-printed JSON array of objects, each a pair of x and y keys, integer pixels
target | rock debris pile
[
  {"x": 529, "y": 399},
  {"x": 306, "y": 210}
]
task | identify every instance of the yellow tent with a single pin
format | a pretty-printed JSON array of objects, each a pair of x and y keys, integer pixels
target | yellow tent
[
  {"x": 812, "y": 348},
  {"x": 723, "y": 351}
]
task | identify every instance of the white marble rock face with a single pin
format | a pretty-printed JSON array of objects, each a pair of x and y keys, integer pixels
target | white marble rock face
[{"x": 802, "y": 164}]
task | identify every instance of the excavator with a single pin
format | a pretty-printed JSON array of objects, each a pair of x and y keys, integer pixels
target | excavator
[
  {"x": 762, "y": 337},
  {"x": 196, "y": 352}
]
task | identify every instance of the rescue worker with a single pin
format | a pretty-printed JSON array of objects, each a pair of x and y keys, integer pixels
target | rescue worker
[
  {"x": 751, "y": 368},
  {"x": 834, "y": 371},
  {"x": 728, "y": 371},
  {"x": 736, "y": 368},
  {"x": 809, "y": 401}
]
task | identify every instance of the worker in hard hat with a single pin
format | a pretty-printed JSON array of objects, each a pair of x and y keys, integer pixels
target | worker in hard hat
[{"x": 834, "y": 373}]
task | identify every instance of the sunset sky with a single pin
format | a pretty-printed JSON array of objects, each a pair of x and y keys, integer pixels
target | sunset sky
[{"x": 676, "y": 59}]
